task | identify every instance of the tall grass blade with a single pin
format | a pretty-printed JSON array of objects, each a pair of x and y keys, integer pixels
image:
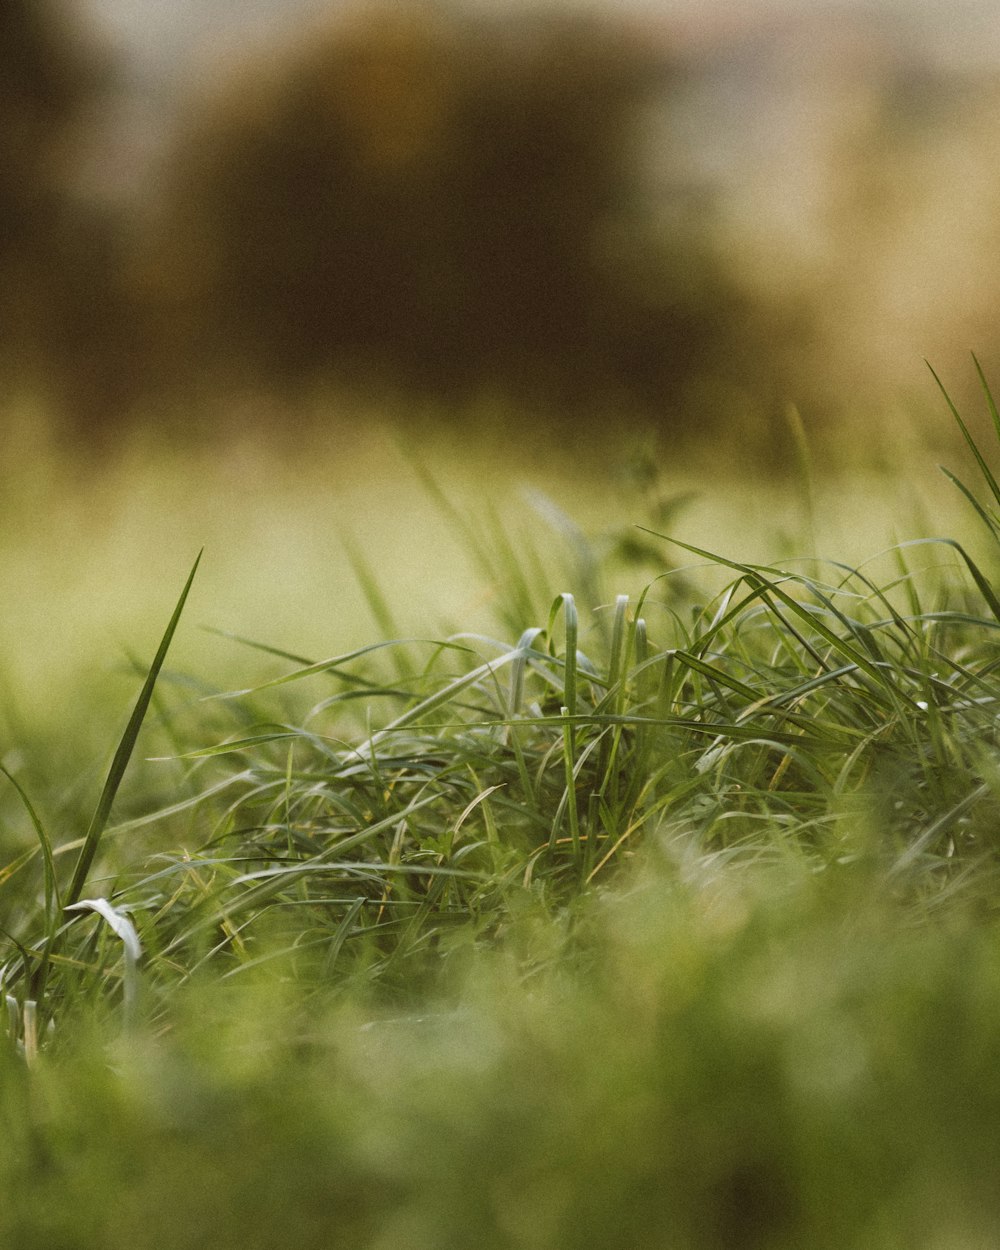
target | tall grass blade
[
  {"x": 568, "y": 605},
  {"x": 984, "y": 468},
  {"x": 587, "y": 567},
  {"x": 123, "y": 754},
  {"x": 992, "y": 523},
  {"x": 618, "y": 658},
  {"x": 438, "y": 699},
  {"x": 342, "y": 933},
  {"x": 990, "y": 401}
]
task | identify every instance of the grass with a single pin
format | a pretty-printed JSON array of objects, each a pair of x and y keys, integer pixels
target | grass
[{"x": 653, "y": 918}]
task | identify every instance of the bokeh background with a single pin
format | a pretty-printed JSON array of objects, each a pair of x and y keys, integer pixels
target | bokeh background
[
  {"x": 685, "y": 215},
  {"x": 256, "y": 255}
]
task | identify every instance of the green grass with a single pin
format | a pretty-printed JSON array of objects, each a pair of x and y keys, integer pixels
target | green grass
[{"x": 658, "y": 918}]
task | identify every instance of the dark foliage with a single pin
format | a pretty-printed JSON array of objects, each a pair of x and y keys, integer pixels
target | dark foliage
[
  {"x": 42, "y": 83},
  {"x": 52, "y": 274},
  {"x": 413, "y": 202},
  {"x": 447, "y": 206}
]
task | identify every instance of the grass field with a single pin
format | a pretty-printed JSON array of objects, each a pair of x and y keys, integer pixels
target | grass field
[{"x": 640, "y": 893}]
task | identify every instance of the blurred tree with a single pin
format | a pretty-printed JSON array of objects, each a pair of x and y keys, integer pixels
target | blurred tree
[
  {"x": 55, "y": 277},
  {"x": 445, "y": 202},
  {"x": 42, "y": 84}
]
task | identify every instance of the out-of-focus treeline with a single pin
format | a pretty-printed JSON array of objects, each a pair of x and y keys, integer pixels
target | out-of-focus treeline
[
  {"x": 583, "y": 218},
  {"x": 53, "y": 271},
  {"x": 445, "y": 205}
]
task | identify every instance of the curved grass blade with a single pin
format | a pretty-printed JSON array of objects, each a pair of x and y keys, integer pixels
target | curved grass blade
[
  {"x": 519, "y": 665},
  {"x": 976, "y": 573},
  {"x": 990, "y": 401},
  {"x": 984, "y": 468},
  {"x": 52, "y": 903},
  {"x": 335, "y": 663},
  {"x": 991, "y": 522},
  {"x": 123, "y": 928}
]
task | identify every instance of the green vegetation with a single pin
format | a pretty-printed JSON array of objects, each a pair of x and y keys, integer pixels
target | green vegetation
[{"x": 659, "y": 918}]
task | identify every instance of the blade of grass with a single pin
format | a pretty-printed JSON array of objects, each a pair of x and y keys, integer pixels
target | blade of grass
[
  {"x": 518, "y": 667},
  {"x": 990, "y": 402},
  {"x": 123, "y": 928},
  {"x": 335, "y": 663},
  {"x": 123, "y": 754},
  {"x": 991, "y": 522},
  {"x": 618, "y": 658},
  {"x": 985, "y": 589},
  {"x": 568, "y": 604},
  {"x": 52, "y": 903},
  {"x": 984, "y": 468}
]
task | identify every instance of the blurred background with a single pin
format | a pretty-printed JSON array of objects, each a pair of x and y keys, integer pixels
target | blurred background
[
  {"x": 256, "y": 254},
  {"x": 680, "y": 216}
]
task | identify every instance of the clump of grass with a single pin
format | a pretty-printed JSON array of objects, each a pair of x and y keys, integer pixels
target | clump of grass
[
  {"x": 648, "y": 918},
  {"x": 437, "y": 791}
]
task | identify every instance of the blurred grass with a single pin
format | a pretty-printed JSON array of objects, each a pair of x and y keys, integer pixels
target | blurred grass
[
  {"x": 720, "y": 1055},
  {"x": 89, "y": 544}
]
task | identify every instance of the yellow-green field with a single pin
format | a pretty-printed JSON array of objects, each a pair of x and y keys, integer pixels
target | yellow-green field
[{"x": 94, "y": 550}]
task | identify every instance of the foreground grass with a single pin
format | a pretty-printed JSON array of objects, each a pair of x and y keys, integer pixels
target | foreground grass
[
  {"x": 724, "y": 1054},
  {"x": 656, "y": 920}
]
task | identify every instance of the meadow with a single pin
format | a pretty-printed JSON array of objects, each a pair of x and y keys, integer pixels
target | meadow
[{"x": 566, "y": 862}]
